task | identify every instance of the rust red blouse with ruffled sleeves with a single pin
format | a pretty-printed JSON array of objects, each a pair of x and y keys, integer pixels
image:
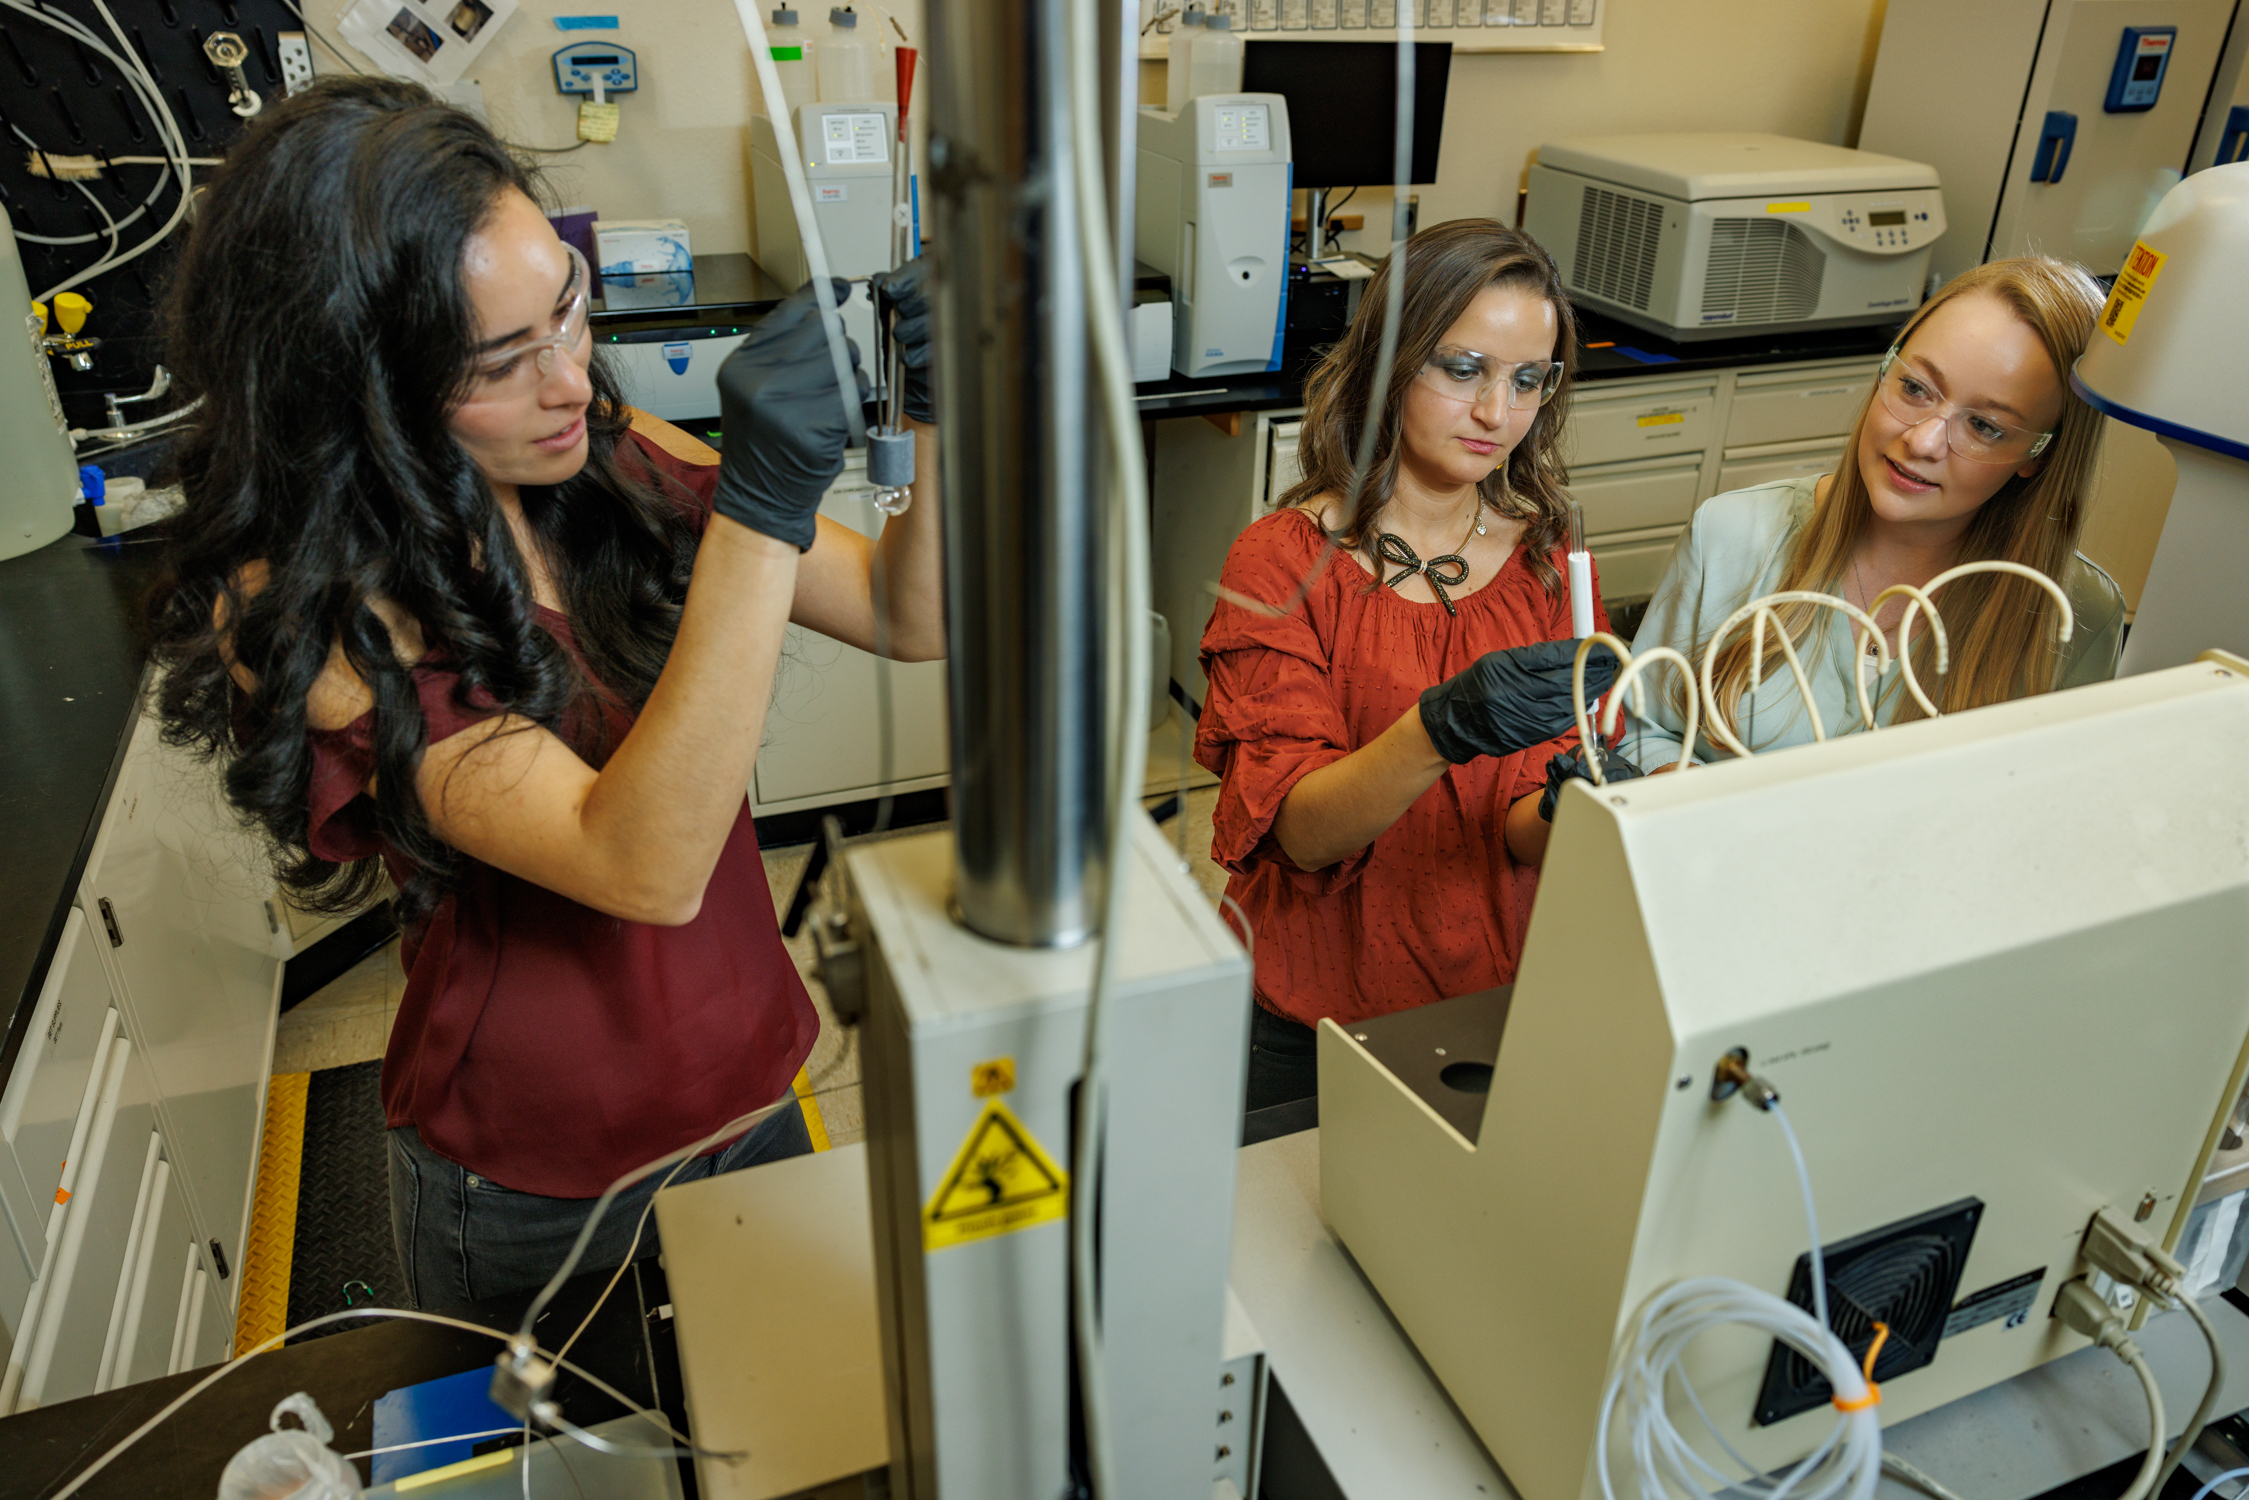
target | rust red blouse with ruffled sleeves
[{"x": 1435, "y": 906}]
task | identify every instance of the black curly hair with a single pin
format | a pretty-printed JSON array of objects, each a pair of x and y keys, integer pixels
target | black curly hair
[{"x": 318, "y": 311}]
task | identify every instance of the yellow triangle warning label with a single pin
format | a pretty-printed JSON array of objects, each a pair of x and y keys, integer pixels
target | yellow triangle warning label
[{"x": 1000, "y": 1181}]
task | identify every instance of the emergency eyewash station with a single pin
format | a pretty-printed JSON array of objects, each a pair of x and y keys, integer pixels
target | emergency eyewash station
[{"x": 1786, "y": 1166}]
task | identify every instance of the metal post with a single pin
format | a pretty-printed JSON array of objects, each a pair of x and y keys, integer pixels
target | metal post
[{"x": 1022, "y": 544}]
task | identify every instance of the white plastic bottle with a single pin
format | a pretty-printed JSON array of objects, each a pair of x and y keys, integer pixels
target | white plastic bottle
[
  {"x": 793, "y": 54},
  {"x": 1183, "y": 40},
  {"x": 1216, "y": 66},
  {"x": 846, "y": 61}
]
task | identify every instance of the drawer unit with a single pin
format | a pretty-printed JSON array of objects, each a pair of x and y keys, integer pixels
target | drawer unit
[
  {"x": 156, "y": 1282},
  {"x": 1788, "y": 406},
  {"x": 1632, "y": 566},
  {"x": 1745, "y": 467},
  {"x": 49, "y": 1080},
  {"x": 1636, "y": 496},
  {"x": 1610, "y": 425},
  {"x": 76, "y": 1300},
  {"x": 822, "y": 732}
]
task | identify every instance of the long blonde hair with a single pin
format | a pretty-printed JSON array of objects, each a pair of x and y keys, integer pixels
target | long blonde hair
[
  {"x": 2002, "y": 628},
  {"x": 1447, "y": 265}
]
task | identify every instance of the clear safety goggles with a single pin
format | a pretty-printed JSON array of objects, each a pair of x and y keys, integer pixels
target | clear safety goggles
[
  {"x": 517, "y": 369},
  {"x": 1912, "y": 396},
  {"x": 1465, "y": 375}
]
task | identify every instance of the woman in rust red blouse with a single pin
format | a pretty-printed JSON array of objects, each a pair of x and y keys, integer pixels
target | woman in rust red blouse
[
  {"x": 440, "y": 596},
  {"x": 1389, "y": 690}
]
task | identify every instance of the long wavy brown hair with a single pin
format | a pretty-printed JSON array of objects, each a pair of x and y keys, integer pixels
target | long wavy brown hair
[
  {"x": 2002, "y": 628},
  {"x": 1447, "y": 265}
]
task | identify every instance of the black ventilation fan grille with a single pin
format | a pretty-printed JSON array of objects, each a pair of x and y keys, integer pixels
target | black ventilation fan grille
[{"x": 1904, "y": 1275}]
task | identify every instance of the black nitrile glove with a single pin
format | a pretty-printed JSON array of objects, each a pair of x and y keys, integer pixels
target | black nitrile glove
[
  {"x": 907, "y": 290},
  {"x": 1510, "y": 700},
  {"x": 782, "y": 428},
  {"x": 1570, "y": 766}
]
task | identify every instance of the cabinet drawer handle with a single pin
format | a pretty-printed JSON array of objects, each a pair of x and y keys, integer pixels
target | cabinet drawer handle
[
  {"x": 218, "y": 1258},
  {"x": 109, "y": 921}
]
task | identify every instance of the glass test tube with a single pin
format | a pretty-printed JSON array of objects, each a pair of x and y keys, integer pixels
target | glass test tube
[{"x": 1581, "y": 575}]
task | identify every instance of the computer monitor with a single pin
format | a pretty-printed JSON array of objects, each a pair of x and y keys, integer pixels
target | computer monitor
[{"x": 1343, "y": 102}]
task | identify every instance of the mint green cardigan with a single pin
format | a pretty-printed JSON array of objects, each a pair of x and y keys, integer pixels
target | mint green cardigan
[{"x": 1735, "y": 550}]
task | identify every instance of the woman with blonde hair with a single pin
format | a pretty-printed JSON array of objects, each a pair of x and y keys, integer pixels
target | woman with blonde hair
[
  {"x": 1972, "y": 447},
  {"x": 1390, "y": 679}
]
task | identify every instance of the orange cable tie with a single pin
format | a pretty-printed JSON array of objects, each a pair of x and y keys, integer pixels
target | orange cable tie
[{"x": 1873, "y": 1396}]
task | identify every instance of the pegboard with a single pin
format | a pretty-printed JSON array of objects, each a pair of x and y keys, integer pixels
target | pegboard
[{"x": 72, "y": 101}]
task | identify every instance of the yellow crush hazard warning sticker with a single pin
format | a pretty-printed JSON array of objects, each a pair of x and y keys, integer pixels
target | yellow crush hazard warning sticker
[
  {"x": 1000, "y": 1181},
  {"x": 1788, "y": 208},
  {"x": 2133, "y": 283}
]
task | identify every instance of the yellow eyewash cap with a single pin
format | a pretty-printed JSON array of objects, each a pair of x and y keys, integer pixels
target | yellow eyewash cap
[{"x": 70, "y": 311}]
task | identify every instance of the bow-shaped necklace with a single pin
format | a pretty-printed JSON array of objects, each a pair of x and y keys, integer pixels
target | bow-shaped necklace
[{"x": 1392, "y": 548}]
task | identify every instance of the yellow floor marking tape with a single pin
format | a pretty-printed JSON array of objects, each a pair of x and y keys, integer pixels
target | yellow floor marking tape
[
  {"x": 811, "y": 1107},
  {"x": 264, "y": 1309}
]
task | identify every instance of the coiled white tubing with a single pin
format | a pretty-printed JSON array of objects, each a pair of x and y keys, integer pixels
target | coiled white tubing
[{"x": 1845, "y": 1466}]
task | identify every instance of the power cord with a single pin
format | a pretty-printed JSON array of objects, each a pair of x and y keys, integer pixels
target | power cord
[
  {"x": 2123, "y": 1252},
  {"x": 1897, "y": 1468},
  {"x": 2081, "y": 1308}
]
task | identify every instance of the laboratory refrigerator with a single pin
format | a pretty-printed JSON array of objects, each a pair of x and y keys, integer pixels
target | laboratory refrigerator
[{"x": 2056, "y": 126}]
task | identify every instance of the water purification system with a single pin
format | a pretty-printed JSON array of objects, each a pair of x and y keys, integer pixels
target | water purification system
[{"x": 1214, "y": 217}]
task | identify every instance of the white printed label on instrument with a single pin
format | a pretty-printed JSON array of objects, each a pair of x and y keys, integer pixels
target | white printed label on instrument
[
  {"x": 853, "y": 140},
  {"x": 1243, "y": 127}
]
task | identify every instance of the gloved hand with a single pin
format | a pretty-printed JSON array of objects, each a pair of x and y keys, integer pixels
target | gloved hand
[
  {"x": 907, "y": 290},
  {"x": 781, "y": 421},
  {"x": 1510, "y": 700},
  {"x": 1571, "y": 765}
]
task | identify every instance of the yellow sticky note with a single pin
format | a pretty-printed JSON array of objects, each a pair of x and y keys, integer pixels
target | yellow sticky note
[{"x": 597, "y": 122}]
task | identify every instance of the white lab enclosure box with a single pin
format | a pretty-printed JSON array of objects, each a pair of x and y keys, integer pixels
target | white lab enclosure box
[
  {"x": 1988, "y": 1022},
  {"x": 2020, "y": 107},
  {"x": 1212, "y": 213}
]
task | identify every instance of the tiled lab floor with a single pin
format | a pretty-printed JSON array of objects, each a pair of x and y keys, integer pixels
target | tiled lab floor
[{"x": 349, "y": 1021}]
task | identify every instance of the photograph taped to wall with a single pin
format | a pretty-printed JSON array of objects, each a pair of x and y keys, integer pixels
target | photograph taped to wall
[
  {"x": 1470, "y": 25},
  {"x": 425, "y": 41}
]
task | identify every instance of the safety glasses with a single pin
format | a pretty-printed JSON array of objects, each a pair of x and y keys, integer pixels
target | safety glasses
[
  {"x": 1466, "y": 375},
  {"x": 1911, "y": 395},
  {"x": 517, "y": 369}
]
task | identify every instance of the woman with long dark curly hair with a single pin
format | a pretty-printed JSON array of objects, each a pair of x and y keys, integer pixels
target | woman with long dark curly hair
[
  {"x": 439, "y": 595},
  {"x": 1389, "y": 698}
]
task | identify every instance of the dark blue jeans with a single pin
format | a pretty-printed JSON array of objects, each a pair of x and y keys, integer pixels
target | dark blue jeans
[{"x": 462, "y": 1237}]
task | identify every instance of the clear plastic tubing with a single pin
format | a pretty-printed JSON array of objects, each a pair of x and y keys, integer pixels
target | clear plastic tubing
[
  {"x": 793, "y": 54},
  {"x": 1581, "y": 576},
  {"x": 1183, "y": 39},
  {"x": 846, "y": 61}
]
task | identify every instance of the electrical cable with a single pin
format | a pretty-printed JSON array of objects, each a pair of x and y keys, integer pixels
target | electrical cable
[
  {"x": 164, "y": 1413},
  {"x": 1128, "y": 689},
  {"x": 1386, "y": 347},
  {"x": 1846, "y": 1465},
  {"x": 2143, "y": 1483},
  {"x": 2212, "y": 1487},
  {"x": 2201, "y": 1417},
  {"x": 144, "y": 84},
  {"x": 1898, "y": 1468},
  {"x": 736, "y": 1126}
]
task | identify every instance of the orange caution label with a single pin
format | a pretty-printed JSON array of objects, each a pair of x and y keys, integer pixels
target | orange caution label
[{"x": 2130, "y": 293}]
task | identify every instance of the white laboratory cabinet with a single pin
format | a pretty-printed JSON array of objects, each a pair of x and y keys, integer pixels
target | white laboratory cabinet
[
  {"x": 823, "y": 741},
  {"x": 1642, "y": 454},
  {"x": 130, "y": 1122}
]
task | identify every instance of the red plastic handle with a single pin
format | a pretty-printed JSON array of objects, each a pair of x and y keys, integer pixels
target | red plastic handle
[{"x": 906, "y": 57}]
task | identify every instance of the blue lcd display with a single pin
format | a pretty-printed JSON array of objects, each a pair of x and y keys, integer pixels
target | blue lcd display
[{"x": 2143, "y": 56}]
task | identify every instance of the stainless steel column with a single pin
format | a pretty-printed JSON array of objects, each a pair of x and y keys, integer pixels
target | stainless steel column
[{"x": 1022, "y": 539}]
